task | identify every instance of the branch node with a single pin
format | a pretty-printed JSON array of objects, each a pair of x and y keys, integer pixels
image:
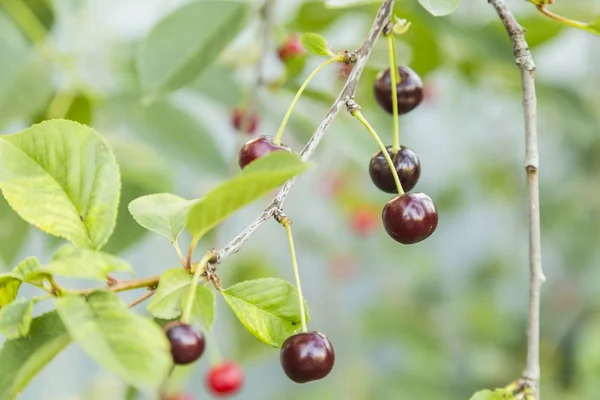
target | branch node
[
  {"x": 351, "y": 105},
  {"x": 350, "y": 57}
]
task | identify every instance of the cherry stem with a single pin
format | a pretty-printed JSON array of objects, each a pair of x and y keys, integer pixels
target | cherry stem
[
  {"x": 393, "y": 75},
  {"x": 200, "y": 268},
  {"x": 140, "y": 299},
  {"x": 179, "y": 253},
  {"x": 279, "y": 135},
  {"x": 563, "y": 20},
  {"x": 362, "y": 119},
  {"x": 288, "y": 229}
]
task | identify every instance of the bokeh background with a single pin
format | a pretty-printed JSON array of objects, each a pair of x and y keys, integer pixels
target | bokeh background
[{"x": 436, "y": 320}]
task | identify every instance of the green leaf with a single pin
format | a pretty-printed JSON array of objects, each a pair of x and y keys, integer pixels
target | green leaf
[
  {"x": 162, "y": 213},
  {"x": 131, "y": 346},
  {"x": 172, "y": 288},
  {"x": 256, "y": 180},
  {"x": 316, "y": 44},
  {"x": 15, "y": 318},
  {"x": 31, "y": 271},
  {"x": 28, "y": 270},
  {"x": 497, "y": 394},
  {"x": 203, "y": 307},
  {"x": 267, "y": 307},
  {"x": 13, "y": 234},
  {"x": 9, "y": 287},
  {"x": 61, "y": 177},
  {"x": 72, "y": 262},
  {"x": 439, "y": 8},
  {"x": 176, "y": 51},
  {"x": 22, "y": 359}
]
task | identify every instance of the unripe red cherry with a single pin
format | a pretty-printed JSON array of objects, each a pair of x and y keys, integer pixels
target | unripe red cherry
[
  {"x": 409, "y": 90},
  {"x": 307, "y": 356},
  {"x": 187, "y": 344},
  {"x": 258, "y": 147},
  {"x": 292, "y": 47},
  {"x": 237, "y": 120},
  {"x": 407, "y": 167},
  {"x": 225, "y": 379},
  {"x": 410, "y": 218}
]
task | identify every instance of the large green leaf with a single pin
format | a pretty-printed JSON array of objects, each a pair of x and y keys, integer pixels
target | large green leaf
[
  {"x": 203, "y": 307},
  {"x": 84, "y": 263},
  {"x": 22, "y": 359},
  {"x": 267, "y": 307},
  {"x": 172, "y": 287},
  {"x": 176, "y": 50},
  {"x": 15, "y": 318},
  {"x": 131, "y": 346},
  {"x": 440, "y": 7},
  {"x": 256, "y": 180},
  {"x": 162, "y": 213},
  {"x": 61, "y": 177}
]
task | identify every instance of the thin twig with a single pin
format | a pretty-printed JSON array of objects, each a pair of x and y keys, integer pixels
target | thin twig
[
  {"x": 143, "y": 297},
  {"x": 526, "y": 65},
  {"x": 361, "y": 56}
]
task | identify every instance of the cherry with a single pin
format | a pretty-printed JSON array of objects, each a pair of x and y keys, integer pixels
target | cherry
[
  {"x": 237, "y": 120},
  {"x": 292, "y": 47},
  {"x": 407, "y": 167},
  {"x": 224, "y": 379},
  {"x": 410, "y": 218},
  {"x": 307, "y": 356},
  {"x": 256, "y": 148},
  {"x": 364, "y": 221},
  {"x": 409, "y": 90},
  {"x": 187, "y": 344}
]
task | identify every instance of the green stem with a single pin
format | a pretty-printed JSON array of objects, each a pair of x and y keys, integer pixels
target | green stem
[
  {"x": 362, "y": 119},
  {"x": 279, "y": 135},
  {"x": 393, "y": 76},
  {"x": 179, "y": 253},
  {"x": 200, "y": 268},
  {"x": 26, "y": 19},
  {"x": 288, "y": 229},
  {"x": 563, "y": 20}
]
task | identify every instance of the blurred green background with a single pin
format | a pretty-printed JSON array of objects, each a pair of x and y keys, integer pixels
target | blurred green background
[{"x": 437, "y": 320}]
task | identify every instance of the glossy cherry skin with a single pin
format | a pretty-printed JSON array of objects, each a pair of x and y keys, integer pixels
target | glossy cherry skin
[
  {"x": 307, "y": 356},
  {"x": 407, "y": 167},
  {"x": 187, "y": 344},
  {"x": 256, "y": 148},
  {"x": 292, "y": 47},
  {"x": 409, "y": 90},
  {"x": 225, "y": 379},
  {"x": 237, "y": 119},
  {"x": 410, "y": 218}
]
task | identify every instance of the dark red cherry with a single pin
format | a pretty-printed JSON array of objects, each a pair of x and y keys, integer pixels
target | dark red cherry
[
  {"x": 410, "y": 218},
  {"x": 187, "y": 344},
  {"x": 409, "y": 89},
  {"x": 224, "y": 379},
  {"x": 407, "y": 167},
  {"x": 256, "y": 148},
  {"x": 290, "y": 48},
  {"x": 307, "y": 356},
  {"x": 237, "y": 120}
]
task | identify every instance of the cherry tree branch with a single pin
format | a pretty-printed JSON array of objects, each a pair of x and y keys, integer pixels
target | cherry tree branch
[
  {"x": 526, "y": 65},
  {"x": 361, "y": 56}
]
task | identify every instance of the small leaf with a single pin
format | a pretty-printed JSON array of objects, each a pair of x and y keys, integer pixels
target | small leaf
[
  {"x": 439, "y": 8},
  {"x": 9, "y": 287},
  {"x": 203, "y": 307},
  {"x": 316, "y": 44},
  {"x": 256, "y": 180},
  {"x": 498, "y": 394},
  {"x": 15, "y": 318},
  {"x": 129, "y": 345},
  {"x": 162, "y": 213},
  {"x": 172, "y": 56},
  {"x": 84, "y": 263},
  {"x": 267, "y": 307},
  {"x": 61, "y": 177},
  {"x": 172, "y": 288},
  {"x": 31, "y": 271},
  {"x": 22, "y": 359}
]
